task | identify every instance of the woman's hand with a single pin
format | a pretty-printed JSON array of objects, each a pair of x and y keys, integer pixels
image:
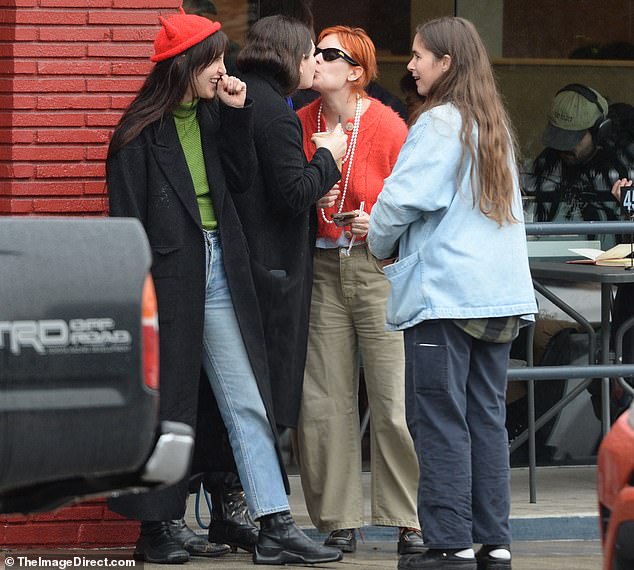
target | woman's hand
[
  {"x": 360, "y": 224},
  {"x": 328, "y": 200},
  {"x": 232, "y": 91},
  {"x": 336, "y": 142},
  {"x": 385, "y": 262},
  {"x": 616, "y": 188}
]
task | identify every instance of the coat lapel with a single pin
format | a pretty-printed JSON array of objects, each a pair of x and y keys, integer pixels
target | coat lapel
[{"x": 171, "y": 160}]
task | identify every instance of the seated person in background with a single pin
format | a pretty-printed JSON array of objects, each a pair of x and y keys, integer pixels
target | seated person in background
[
  {"x": 572, "y": 177},
  {"x": 589, "y": 150}
]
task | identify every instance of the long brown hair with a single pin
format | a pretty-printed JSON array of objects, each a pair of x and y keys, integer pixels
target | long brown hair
[
  {"x": 165, "y": 87},
  {"x": 469, "y": 84}
]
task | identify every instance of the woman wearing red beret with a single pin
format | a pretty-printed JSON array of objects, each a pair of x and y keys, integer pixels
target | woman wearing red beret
[{"x": 181, "y": 148}]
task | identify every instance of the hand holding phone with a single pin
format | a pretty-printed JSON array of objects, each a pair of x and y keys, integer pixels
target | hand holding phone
[{"x": 342, "y": 219}]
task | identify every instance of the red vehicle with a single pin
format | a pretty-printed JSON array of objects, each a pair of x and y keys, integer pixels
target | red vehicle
[{"x": 616, "y": 494}]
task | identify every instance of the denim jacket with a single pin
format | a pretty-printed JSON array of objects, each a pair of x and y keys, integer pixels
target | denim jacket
[{"x": 453, "y": 261}]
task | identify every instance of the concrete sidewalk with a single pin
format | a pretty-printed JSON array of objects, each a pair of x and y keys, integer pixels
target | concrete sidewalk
[
  {"x": 566, "y": 507},
  {"x": 559, "y": 532},
  {"x": 558, "y": 555},
  {"x": 382, "y": 556}
]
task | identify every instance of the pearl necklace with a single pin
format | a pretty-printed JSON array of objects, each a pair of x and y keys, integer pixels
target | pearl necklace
[{"x": 349, "y": 153}]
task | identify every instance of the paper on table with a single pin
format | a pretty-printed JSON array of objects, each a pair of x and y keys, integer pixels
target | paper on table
[
  {"x": 616, "y": 256},
  {"x": 588, "y": 252}
]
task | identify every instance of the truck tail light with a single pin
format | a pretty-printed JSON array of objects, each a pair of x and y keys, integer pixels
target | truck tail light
[{"x": 149, "y": 320}]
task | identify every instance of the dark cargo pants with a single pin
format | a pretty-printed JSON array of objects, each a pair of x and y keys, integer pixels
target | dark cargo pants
[{"x": 455, "y": 408}]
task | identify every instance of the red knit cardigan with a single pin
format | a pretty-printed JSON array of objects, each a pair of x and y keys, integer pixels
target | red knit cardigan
[{"x": 381, "y": 135}]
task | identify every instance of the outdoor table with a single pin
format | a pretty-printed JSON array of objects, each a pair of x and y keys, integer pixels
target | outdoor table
[
  {"x": 557, "y": 270},
  {"x": 598, "y": 365},
  {"x": 589, "y": 273}
]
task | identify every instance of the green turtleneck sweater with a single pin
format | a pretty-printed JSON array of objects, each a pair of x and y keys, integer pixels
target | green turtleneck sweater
[{"x": 189, "y": 134}]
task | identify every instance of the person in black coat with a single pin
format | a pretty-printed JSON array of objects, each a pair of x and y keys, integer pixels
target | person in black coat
[
  {"x": 173, "y": 159},
  {"x": 278, "y": 213}
]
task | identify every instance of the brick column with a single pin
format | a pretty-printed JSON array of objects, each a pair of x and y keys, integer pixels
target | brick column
[{"x": 67, "y": 70}]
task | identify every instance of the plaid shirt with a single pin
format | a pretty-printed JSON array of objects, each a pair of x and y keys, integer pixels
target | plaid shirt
[{"x": 493, "y": 329}]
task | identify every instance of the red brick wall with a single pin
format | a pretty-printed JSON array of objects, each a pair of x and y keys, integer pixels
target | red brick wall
[
  {"x": 87, "y": 525},
  {"x": 67, "y": 70}
]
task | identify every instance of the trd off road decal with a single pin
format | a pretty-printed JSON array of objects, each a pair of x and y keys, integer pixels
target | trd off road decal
[{"x": 58, "y": 336}]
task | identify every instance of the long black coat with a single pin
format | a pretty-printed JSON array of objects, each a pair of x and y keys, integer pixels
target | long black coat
[
  {"x": 149, "y": 179},
  {"x": 279, "y": 220}
]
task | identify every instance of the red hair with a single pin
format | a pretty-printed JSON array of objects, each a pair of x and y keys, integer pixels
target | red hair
[{"x": 360, "y": 48}]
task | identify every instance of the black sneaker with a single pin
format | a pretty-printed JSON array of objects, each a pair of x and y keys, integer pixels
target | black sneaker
[
  {"x": 488, "y": 562},
  {"x": 410, "y": 541},
  {"x": 345, "y": 539},
  {"x": 437, "y": 559}
]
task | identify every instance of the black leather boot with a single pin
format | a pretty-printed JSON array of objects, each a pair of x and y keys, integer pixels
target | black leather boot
[
  {"x": 157, "y": 545},
  {"x": 281, "y": 542},
  {"x": 230, "y": 520},
  {"x": 195, "y": 544}
]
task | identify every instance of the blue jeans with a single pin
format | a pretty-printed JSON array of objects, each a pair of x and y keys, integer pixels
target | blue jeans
[
  {"x": 226, "y": 363},
  {"x": 455, "y": 388}
]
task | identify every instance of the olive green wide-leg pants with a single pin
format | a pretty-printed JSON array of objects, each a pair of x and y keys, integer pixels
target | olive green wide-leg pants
[{"x": 347, "y": 321}]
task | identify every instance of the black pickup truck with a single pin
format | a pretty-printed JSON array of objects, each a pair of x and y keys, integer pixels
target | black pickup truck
[{"x": 79, "y": 365}]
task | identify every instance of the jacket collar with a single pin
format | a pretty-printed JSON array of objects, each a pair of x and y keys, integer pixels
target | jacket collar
[
  {"x": 269, "y": 79},
  {"x": 171, "y": 160}
]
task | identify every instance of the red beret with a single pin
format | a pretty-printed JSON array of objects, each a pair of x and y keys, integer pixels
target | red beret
[{"x": 180, "y": 32}]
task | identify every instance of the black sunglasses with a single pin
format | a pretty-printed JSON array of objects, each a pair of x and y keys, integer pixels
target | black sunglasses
[{"x": 331, "y": 54}]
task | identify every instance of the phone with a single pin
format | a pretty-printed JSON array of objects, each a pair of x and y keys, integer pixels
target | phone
[{"x": 343, "y": 218}]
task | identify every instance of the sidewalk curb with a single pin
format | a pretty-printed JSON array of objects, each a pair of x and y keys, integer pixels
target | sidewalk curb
[
  {"x": 529, "y": 528},
  {"x": 556, "y": 528}
]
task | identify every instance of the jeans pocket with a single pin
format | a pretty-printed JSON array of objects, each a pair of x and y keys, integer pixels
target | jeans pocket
[{"x": 430, "y": 368}]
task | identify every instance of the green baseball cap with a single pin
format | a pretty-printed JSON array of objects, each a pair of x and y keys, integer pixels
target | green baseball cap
[{"x": 571, "y": 116}]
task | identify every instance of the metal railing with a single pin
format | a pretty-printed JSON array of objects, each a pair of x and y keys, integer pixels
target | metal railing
[{"x": 532, "y": 374}]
